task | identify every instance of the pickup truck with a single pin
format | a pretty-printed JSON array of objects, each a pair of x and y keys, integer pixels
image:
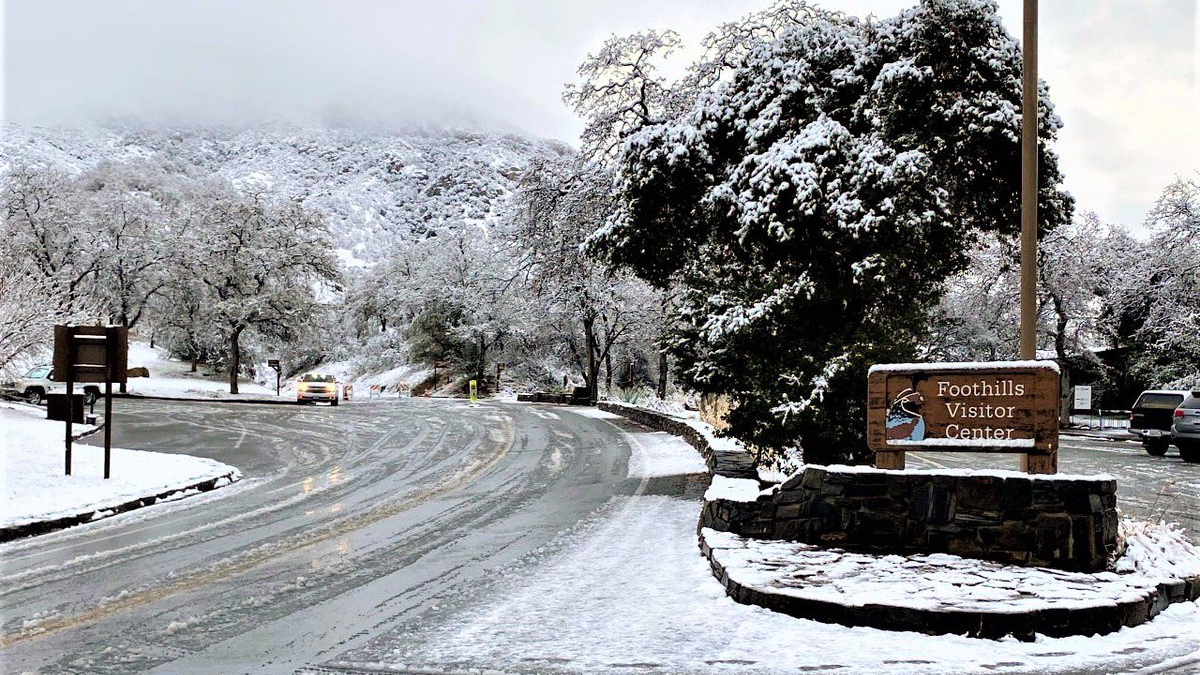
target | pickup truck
[
  {"x": 37, "y": 383},
  {"x": 1152, "y": 417}
]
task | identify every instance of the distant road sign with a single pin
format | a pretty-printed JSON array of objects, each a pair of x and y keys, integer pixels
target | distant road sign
[
  {"x": 1083, "y": 397},
  {"x": 273, "y": 364}
]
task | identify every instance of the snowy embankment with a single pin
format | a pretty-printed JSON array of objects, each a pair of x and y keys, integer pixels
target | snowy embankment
[
  {"x": 174, "y": 379},
  {"x": 170, "y": 378},
  {"x": 628, "y": 591},
  {"x": 36, "y": 496},
  {"x": 398, "y": 381}
]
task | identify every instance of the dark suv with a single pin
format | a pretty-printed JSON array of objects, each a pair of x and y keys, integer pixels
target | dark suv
[
  {"x": 1152, "y": 417},
  {"x": 1186, "y": 431}
]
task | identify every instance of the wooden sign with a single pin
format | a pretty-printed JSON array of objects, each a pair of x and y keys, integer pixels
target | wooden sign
[
  {"x": 1003, "y": 406},
  {"x": 91, "y": 353}
]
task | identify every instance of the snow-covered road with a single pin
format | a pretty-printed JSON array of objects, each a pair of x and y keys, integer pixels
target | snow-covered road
[
  {"x": 426, "y": 536},
  {"x": 348, "y": 521}
]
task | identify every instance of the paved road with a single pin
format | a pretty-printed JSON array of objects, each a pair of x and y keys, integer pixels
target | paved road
[
  {"x": 1147, "y": 487},
  {"x": 349, "y": 520},
  {"x": 351, "y": 523}
]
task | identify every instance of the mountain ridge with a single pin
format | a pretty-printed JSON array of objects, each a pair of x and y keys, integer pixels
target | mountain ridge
[{"x": 376, "y": 186}]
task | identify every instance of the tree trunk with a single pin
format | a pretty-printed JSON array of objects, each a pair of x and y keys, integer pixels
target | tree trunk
[
  {"x": 235, "y": 360},
  {"x": 1066, "y": 401},
  {"x": 662, "y": 374},
  {"x": 481, "y": 365},
  {"x": 608, "y": 371},
  {"x": 593, "y": 368}
]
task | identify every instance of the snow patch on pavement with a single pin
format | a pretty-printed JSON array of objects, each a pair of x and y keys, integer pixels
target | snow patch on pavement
[
  {"x": 658, "y": 454},
  {"x": 33, "y": 487},
  {"x": 594, "y": 413}
]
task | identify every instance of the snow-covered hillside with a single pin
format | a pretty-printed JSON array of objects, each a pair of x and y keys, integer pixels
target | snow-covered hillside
[{"x": 375, "y": 187}]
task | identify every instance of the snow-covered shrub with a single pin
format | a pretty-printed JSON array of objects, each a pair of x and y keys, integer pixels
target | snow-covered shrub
[{"x": 1156, "y": 549}]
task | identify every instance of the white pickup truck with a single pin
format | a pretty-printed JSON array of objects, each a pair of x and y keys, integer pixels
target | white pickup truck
[{"x": 37, "y": 383}]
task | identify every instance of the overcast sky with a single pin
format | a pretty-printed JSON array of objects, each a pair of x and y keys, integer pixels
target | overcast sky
[{"x": 1123, "y": 73}]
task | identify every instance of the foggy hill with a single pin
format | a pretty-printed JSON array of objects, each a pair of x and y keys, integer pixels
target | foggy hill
[{"x": 375, "y": 187}]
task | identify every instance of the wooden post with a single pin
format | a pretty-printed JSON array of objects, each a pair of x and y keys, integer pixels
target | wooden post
[
  {"x": 70, "y": 415},
  {"x": 110, "y": 338},
  {"x": 1030, "y": 463}
]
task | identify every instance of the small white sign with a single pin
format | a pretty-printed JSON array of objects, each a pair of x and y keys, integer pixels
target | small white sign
[{"x": 1083, "y": 398}]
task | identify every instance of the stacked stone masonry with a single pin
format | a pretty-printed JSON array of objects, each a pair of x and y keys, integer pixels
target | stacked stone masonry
[{"x": 1059, "y": 523}]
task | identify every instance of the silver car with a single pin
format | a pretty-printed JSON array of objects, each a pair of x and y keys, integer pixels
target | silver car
[
  {"x": 1185, "y": 432},
  {"x": 39, "y": 382}
]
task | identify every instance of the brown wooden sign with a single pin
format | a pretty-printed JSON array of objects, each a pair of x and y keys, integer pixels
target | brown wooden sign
[
  {"x": 91, "y": 354},
  {"x": 1003, "y": 406}
]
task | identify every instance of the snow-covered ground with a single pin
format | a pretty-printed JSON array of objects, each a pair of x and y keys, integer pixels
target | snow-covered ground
[
  {"x": 174, "y": 379},
  {"x": 629, "y": 592},
  {"x": 943, "y": 582},
  {"x": 33, "y": 486}
]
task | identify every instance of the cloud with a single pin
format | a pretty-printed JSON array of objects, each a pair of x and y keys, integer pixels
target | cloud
[{"x": 1122, "y": 72}]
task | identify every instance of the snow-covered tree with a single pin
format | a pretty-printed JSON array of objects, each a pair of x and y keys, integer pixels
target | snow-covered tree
[
  {"x": 1158, "y": 295},
  {"x": 471, "y": 301},
  {"x": 44, "y": 225},
  {"x": 30, "y": 306},
  {"x": 558, "y": 205},
  {"x": 260, "y": 264},
  {"x": 813, "y": 204},
  {"x": 134, "y": 241}
]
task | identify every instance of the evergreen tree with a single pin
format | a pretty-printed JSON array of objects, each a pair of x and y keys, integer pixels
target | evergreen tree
[{"x": 814, "y": 202}]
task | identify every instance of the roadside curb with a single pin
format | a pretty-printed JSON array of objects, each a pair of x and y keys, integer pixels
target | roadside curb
[
  {"x": 46, "y": 526},
  {"x": 150, "y": 397},
  {"x": 720, "y": 462},
  {"x": 1086, "y": 433}
]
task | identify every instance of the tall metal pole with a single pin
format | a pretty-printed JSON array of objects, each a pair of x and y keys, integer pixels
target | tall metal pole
[{"x": 1029, "y": 210}]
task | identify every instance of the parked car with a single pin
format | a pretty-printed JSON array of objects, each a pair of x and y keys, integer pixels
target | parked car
[
  {"x": 1186, "y": 430},
  {"x": 37, "y": 383},
  {"x": 1152, "y": 417},
  {"x": 315, "y": 387}
]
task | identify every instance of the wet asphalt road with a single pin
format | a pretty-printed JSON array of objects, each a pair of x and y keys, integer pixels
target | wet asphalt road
[
  {"x": 348, "y": 521},
  {"x": 354, "y": 521}
]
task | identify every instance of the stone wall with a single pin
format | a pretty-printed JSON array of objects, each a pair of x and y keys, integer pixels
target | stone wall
[
  {"x": 1063, "y": 523},
  {"x": 723, "y": 456}
]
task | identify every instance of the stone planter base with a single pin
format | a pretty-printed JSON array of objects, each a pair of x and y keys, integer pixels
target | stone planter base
[
  {"x": 935, "y": 594},
  {"x": 1064, "y": 522}
]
